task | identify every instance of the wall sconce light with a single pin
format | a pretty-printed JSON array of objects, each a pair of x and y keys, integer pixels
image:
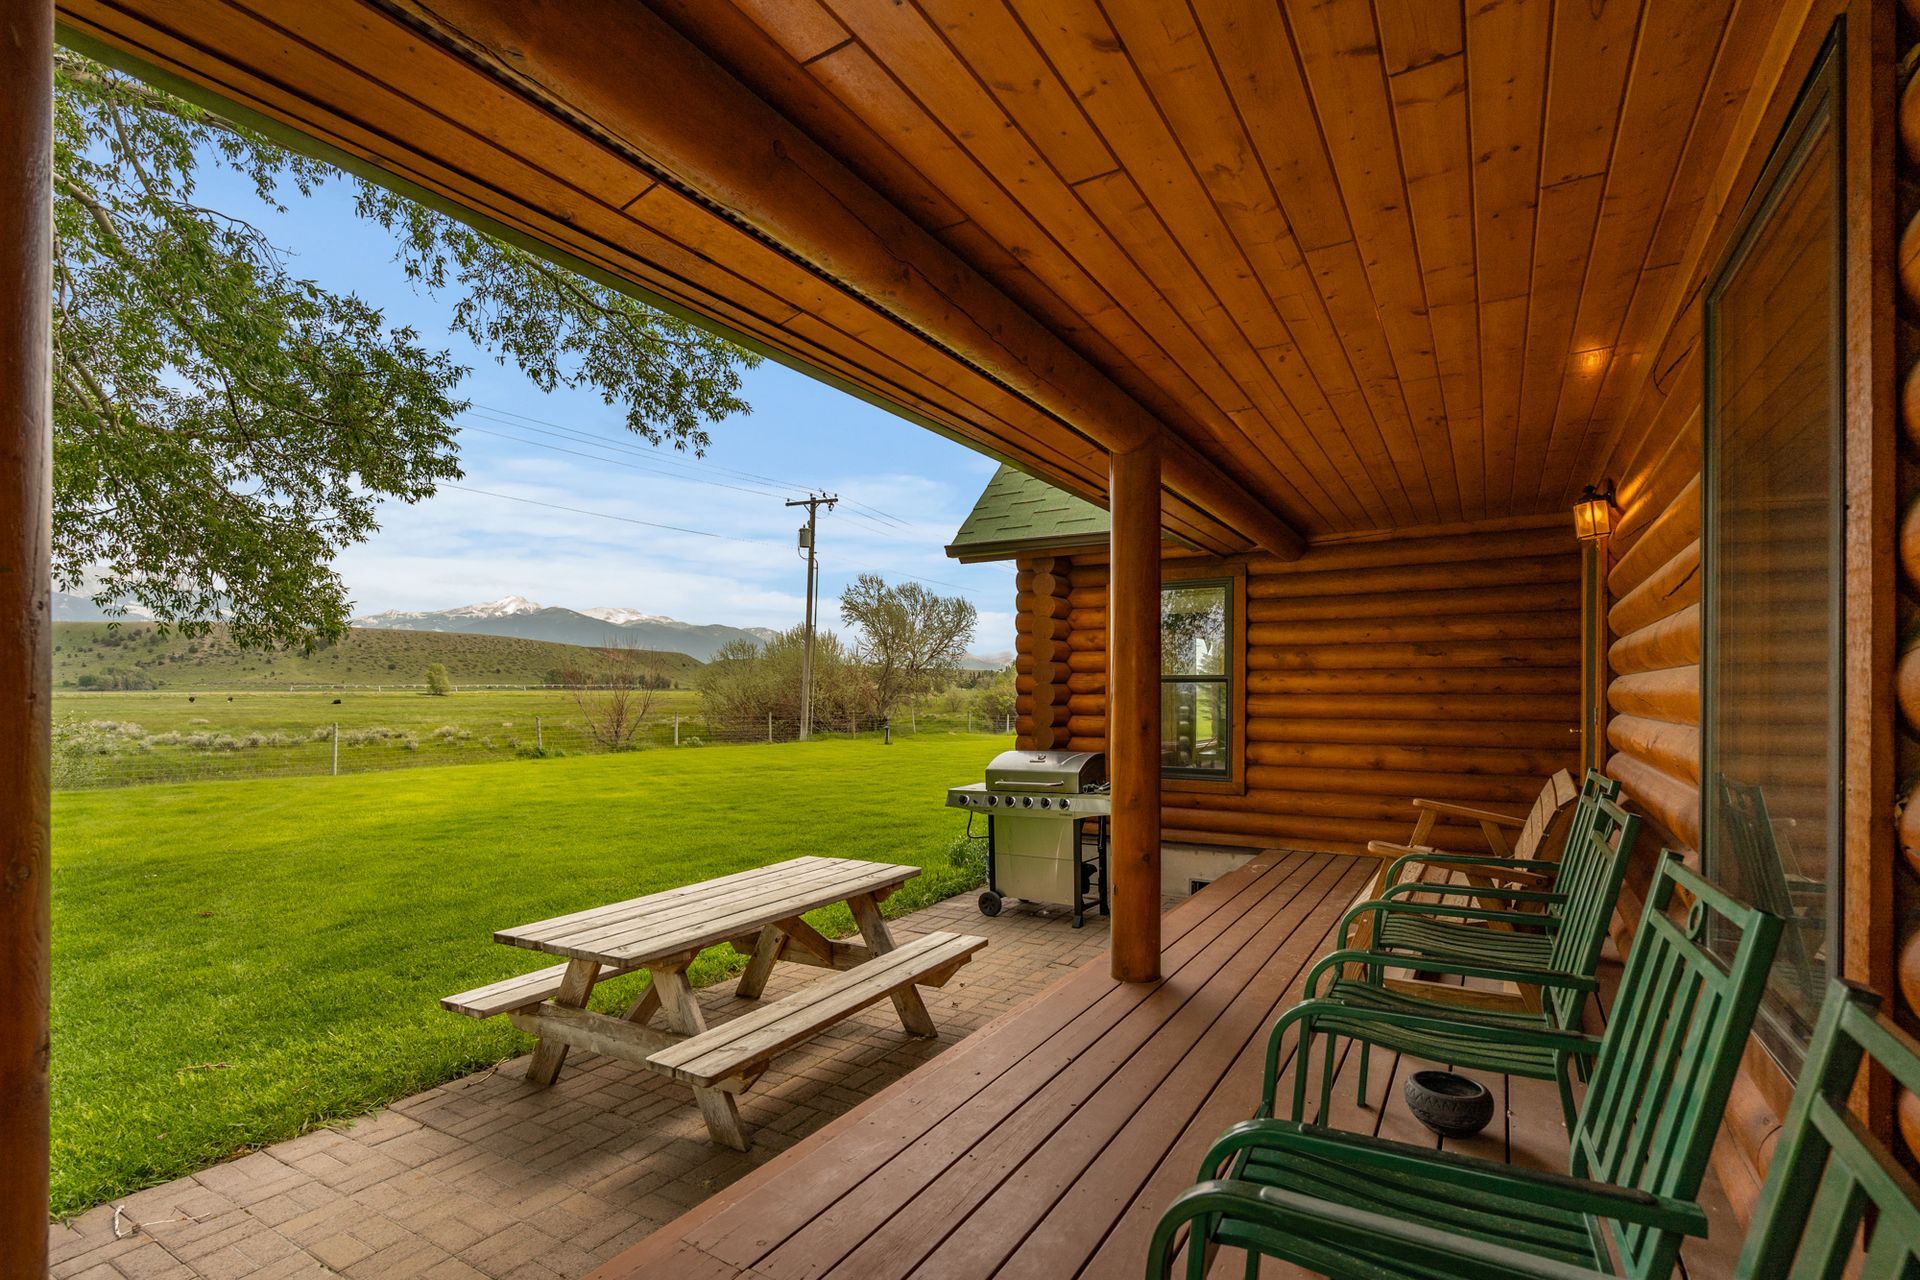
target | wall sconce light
[{"x": 1593, "y": 514}]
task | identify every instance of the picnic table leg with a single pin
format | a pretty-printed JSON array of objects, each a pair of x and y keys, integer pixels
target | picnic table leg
[
  {"x": 753, "y": 980},
  {"x": 683, "y": 1015},
  {"x": 906, "y": 1001},
  {"x": 549, "y": 1054},
  {"x": 645, "y": 1007}
]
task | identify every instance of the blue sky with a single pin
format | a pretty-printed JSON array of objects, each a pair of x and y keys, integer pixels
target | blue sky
[{"x": 912, "y": 488}]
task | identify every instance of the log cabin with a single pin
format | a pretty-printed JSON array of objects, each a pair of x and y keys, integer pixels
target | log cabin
[{"x": 1347, "y": 316}]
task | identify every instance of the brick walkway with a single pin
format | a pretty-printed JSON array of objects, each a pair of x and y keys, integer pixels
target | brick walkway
[{"x": 484, "y": 1177}]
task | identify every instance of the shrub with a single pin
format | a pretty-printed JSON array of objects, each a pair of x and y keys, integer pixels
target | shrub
[{"x": 439, "y": 683}]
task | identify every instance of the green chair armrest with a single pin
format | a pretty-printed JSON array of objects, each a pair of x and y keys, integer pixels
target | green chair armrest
[
  {"x": 1442, "y": 964},
  {"x": 1406, "y": 887},
  {"x": 1443, "y": 857},
  {"x": 1468, "y": 1174},
  {"x": 1382, "y": 906},
  {"x": 1278, "y": 1217}
]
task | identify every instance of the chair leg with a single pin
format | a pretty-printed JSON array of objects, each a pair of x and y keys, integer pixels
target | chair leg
[
  {"x": 1302, "y": 1061},
  {"x": 1326, "y": 1082}
]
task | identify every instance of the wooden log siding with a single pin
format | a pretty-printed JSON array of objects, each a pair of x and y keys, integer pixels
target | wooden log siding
[
  {"x": 1444, "y": 665},
  {"x": 1655, "y": 656},
  {"x": 1040, "y": 670}
]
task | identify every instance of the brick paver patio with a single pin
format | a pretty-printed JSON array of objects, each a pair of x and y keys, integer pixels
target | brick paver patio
[{"x": 486, "y": 1177}]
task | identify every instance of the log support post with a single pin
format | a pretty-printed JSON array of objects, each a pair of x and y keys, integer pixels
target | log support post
[
  {"x": 1133, "y": 712},
  {"x": 1595, "y": 563},
  {"x": 26, "y": 417}
]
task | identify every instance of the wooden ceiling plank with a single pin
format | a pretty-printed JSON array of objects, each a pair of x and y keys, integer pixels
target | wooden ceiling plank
[
  {"x": 1095, "y": 62},
  {"x": 803, "y": 28},
  {"x": 1507, "y": 43},
  {"x": 1340, "y": 56},
  {"x": 1414, "y": 33},
  {"x": 1338, "y": 329},
  {"x": 1123, "y": 210},
  {"x": 858, "y": 75},
  {"x": 854, "y": 73},
  {"x": 1430, "y": 108},
  {"x": 1586, "y": 82},
  {"x": 1678, "y": 39},
  {"x": 987, "y": 38},
  {"x": 1187, "y": 85},
  {"x": 1088, "y": 55},
  {"x": 1649, "y": 336},
  {"x": 729, "y": 36}
]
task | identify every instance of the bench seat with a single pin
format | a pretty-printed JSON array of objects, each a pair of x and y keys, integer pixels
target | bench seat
[
  {"x": 737, "y": 1048},
  {"x": 509, "y": 994}
]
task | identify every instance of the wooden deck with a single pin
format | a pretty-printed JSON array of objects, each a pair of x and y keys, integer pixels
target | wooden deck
[{"x": 1047, "y": 1144}]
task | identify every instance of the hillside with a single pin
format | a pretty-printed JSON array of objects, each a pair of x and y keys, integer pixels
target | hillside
[
  {"x": 136, "y": 655},
  {"x": 521, "y": 617}
]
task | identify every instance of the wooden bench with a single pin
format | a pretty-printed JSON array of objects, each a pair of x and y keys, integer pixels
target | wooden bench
[
  {"x": 509, "y": 994},
  {"x": 730, "y": 1056}
]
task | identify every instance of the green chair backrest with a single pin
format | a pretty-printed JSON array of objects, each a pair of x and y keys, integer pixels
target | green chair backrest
[
  {"x": 1666, "y": 1063},
  {"x": 1598, "y": 847},
  {"x": 1759, "y": 874},
  {"x": 1829, "y": 1176}
]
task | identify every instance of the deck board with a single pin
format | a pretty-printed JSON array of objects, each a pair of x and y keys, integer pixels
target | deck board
[{"x": 1048, "y": 1143}]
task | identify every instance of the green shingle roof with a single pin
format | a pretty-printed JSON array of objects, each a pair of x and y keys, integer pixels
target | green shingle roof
[{"x": 1018, "y": 513}]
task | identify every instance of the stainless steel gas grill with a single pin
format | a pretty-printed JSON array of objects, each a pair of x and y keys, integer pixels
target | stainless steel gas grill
[{"x": 1038, "y": 806}]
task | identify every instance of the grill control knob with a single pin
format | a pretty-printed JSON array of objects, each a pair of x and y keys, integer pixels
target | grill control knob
[
  {"x": 1045, "y": 803},
  {"x": 1065, "y": 805},
  {"x": 1026, "y": 802},
  {"x": 990, "y": 802}
]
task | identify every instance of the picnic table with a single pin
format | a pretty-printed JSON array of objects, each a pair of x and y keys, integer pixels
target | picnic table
[{"x": 758, "y": 913}]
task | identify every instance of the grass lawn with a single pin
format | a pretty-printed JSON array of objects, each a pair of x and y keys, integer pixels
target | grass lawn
[{"x": 236, "y": 962}]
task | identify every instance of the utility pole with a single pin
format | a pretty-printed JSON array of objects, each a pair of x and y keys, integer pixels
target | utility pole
[{"x": 812, "y": 502}]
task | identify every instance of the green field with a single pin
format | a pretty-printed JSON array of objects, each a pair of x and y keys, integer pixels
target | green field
[
  {"x": 121, "y": 739},
  {"x": 136, "y": 654},
  {"x": 236, "y": 962}
]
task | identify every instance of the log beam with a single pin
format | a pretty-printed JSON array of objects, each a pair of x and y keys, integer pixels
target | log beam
[
  {"x": 26, "y": 654},
  {"x": 651, "y": 94},
  {"x": 1133, "y": 714}
]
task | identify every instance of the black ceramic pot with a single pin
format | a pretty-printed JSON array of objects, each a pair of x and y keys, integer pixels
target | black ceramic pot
[{"x": 1451, "y": 1105}]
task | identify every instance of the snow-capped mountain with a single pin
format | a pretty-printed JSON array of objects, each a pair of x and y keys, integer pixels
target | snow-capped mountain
[
  {"x": 605, "y": 625},
  {"x": 624, "y": 617}
]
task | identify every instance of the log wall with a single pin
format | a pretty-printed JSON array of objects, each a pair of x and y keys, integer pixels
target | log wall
[{"x": 1443, "y": 666}]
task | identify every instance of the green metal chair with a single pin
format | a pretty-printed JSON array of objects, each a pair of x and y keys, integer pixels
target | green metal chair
[
  {"x": 1829, "y": 1180},
  {"x": 1758, "y": 871},
  {"x": 1364, "y": 1008},
  {"x": 1395, "y": 921},
  {"x": 1348, "y": 1205}
]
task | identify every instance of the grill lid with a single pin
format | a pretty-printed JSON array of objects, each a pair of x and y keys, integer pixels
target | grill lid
[{"x": 1055, "y": 772}]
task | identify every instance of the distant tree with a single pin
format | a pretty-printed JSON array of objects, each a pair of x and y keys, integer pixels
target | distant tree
[
  {"x": 616, "y": 702},
  {"x": 439, "y": 683},
  {"x": 993, "y": 699},
  {"x": 746, "y": 681},
  {"x": 911, "y": 640},
  {"x": 223, "y": 427}
]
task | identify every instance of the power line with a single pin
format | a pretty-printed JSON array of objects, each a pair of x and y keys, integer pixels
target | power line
[
  {"x": 598, "y": 443},
  {"x": 497, "y": 411},
  {"x": 675, "y": 528}
]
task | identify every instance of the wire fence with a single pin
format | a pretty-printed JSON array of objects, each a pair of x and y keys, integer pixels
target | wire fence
[{"x": 92, "y": 752}]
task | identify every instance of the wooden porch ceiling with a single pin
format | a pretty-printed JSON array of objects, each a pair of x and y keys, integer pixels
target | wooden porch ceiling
[{"x": 1372, "y": 265}]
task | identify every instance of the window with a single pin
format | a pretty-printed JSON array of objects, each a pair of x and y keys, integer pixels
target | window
[
  {"x": 1196, "y": 679},
  {"x": 1772, "y": 547}
]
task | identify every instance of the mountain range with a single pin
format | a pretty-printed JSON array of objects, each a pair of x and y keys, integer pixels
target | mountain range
[
  {"x": 517, "y": 616},
  {"x": 601, "y": 627}
]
